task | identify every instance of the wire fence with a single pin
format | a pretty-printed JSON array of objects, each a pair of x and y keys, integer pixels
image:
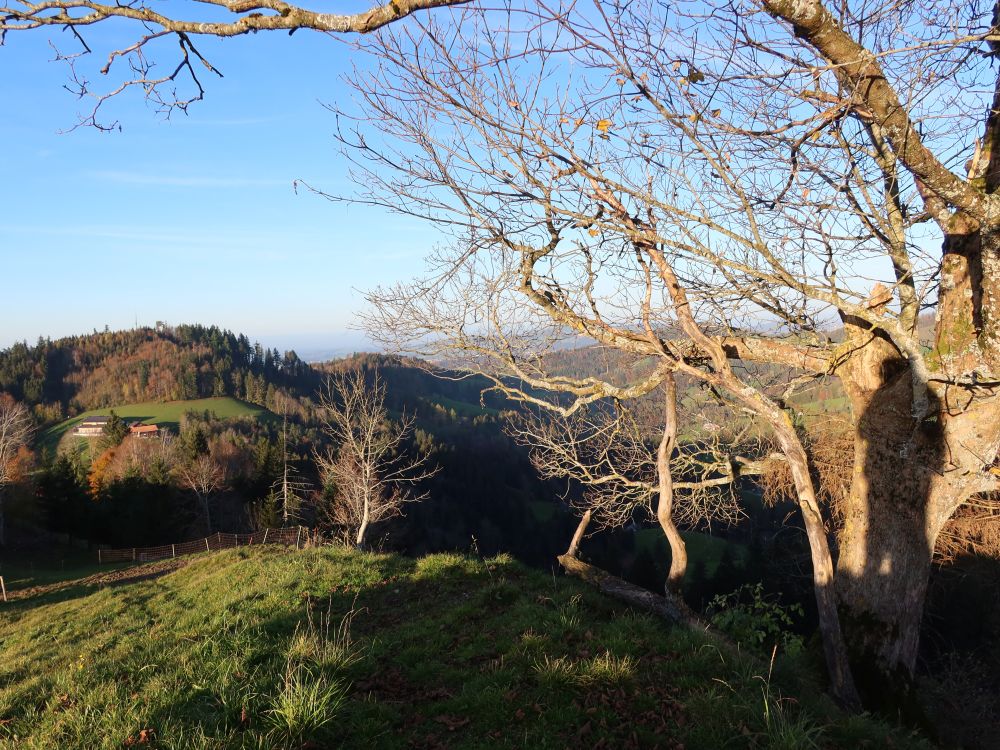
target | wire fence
[{"x": 296, "y": 535}]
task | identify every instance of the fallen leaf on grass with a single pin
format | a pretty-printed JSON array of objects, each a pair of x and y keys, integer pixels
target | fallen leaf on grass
[
  {"x": 145, "y": 737},
  {"x": 65, "y": 701}
]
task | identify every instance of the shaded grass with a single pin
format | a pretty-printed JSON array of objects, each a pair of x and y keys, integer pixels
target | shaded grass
[
  {"x": 21, "y": 575},
  {"x": 254, "y": 648}
]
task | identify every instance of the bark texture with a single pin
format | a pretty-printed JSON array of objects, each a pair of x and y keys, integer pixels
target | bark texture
[{"x": 909, "y": 477}]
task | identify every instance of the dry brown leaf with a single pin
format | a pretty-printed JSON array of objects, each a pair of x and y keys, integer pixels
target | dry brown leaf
[{"x": 452, "y": 722}]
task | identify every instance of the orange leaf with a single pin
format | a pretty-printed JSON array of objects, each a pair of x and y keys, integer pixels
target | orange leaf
[{"x": 603, "y": 125}]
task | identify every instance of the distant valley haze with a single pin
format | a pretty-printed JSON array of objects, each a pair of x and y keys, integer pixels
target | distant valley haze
[{"x": 311, "y": 347}]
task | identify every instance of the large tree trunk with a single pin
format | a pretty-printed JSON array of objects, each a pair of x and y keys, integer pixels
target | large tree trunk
[{"x": 909, "y": 477}]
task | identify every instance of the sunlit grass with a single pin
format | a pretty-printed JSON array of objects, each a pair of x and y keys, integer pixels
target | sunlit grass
[{"x": 265, "y": 648}]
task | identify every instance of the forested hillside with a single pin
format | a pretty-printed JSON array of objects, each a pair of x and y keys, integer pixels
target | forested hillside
[
  {"x": 63, "y": 377},
  {"x": 124, "y": 491}
]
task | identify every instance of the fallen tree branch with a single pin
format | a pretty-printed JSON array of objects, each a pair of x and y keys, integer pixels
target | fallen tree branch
[{"x": 669, "y": 608}]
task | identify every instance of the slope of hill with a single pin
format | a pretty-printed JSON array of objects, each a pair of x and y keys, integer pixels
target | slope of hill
[{"x": 261, "y": 647}]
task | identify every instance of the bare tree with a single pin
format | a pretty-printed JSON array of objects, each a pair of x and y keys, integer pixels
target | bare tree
[
  {"x": 712, "y": 186},
  {"x": 625, "y": 470},
  {"x": 204, "y": 477},
  {"x": 16, "y": 428},
  {"x": 170, "y": 33},
  {"x": 368, "y": 470},
  {"x": 290, "y": 486}
]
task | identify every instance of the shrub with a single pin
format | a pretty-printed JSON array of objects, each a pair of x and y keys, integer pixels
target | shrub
[{"x": 749, "y": 617}]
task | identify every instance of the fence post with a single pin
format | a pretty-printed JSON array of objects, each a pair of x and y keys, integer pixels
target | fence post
[
  {"x": 133, "y": 554},
  {"x": 3, "y": 588},
  {"x": 298, "y": 534},
  {"x": 265, "y": 536},
  {"x": 173, "y": 550},
  {"x": 99, "y": 560},
  {"x": 207, "y": 548}
]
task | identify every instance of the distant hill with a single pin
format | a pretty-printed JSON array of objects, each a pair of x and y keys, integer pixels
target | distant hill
[{"x": 64, "y": 377}]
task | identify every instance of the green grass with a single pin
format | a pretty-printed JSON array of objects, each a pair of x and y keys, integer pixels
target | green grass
[
  {"x": 21, "y": 575},
  {"x": 167, "y": 413},
  {"x": 267, "y": 648},
  {"x": 462, "y": 408}
]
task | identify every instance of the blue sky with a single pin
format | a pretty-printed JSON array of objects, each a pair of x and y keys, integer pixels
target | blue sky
[{"x": 195, "y": 219}]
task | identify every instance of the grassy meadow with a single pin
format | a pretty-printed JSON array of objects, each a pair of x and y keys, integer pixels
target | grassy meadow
[
  {"x": 328, "y": 648},
  {"x": 165, "y": 413}
]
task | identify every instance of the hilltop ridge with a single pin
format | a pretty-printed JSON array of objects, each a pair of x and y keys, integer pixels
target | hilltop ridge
[{"x": 168, "y": 363}]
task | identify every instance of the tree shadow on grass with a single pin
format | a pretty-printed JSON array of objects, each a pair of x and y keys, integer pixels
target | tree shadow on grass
[
  {"x": 451, "y": 658},
  {"x": 21, "y": 600}
]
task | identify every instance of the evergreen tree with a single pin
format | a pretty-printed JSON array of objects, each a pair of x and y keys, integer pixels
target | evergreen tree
[{"x": 115, "y": 431}]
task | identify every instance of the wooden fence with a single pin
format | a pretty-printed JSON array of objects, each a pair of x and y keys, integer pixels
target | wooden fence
[{"x": 296, "y": 535}]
